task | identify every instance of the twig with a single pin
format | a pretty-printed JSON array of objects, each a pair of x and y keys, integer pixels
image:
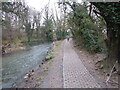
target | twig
[
  {"x": 114, "y": 82},
  {"x": 108, "y": 78}
]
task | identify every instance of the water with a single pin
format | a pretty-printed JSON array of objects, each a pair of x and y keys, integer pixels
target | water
[{"x": 15, "y": 65}]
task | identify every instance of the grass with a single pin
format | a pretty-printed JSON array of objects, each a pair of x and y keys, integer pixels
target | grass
[{"x": 49, "y": 57}]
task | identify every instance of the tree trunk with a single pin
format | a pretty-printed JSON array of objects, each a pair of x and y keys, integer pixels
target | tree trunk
[
  {"x": 113, "y": 43},
  {"x": 119, "y": 50}
]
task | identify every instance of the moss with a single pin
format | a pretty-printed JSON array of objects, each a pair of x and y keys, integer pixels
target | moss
[{"x": 49, "y": 57}]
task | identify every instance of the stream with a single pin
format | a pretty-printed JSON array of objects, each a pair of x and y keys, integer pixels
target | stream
[{"x": 17, "y": 64}]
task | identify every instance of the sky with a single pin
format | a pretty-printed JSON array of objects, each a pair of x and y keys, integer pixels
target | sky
[{"x": 40, "y": 4}]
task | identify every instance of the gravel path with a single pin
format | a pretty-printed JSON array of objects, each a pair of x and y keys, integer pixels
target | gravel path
[
  {"x": 75, "y": 74},
  {"x": 54, "y": 78}
]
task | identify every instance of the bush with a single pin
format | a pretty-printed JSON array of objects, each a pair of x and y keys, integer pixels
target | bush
[{"x": 86, "y": 29}]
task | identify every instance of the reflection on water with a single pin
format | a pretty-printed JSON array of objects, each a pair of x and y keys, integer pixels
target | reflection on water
[{"x": 15, "y": 65}]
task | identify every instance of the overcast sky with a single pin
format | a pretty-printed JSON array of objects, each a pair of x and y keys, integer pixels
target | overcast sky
[{"x": 40, "y": 4}]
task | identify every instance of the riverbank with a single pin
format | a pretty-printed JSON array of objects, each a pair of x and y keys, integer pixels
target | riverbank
[
  {"x": 38, "y": 75},
  {"x": 11, "y": 48},
  {"x": 14, "y": 49},
  {"x": 7, "y": 47}
]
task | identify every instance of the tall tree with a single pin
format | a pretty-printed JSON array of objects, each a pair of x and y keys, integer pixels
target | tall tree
[{"x": 110, "y": 12}]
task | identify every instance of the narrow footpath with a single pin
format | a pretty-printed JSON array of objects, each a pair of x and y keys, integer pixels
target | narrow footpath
[
  {"x": 54, "y": 79},
  {"x": 75, "y": 74}
]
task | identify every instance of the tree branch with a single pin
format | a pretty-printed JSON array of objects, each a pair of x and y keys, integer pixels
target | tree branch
[{"x": 90, "y": 9}]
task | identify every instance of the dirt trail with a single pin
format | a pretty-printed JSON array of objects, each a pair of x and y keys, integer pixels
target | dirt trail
[{"x": 54, "y": 78}]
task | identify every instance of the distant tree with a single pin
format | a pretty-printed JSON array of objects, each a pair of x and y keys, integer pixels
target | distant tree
[{"x": 48, "y": 23}]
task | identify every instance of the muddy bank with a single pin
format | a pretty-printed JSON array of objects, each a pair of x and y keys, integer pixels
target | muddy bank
[{"x": 10, "y": 48}]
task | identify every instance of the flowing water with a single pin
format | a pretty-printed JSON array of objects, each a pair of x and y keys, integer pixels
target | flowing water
[{"x": 15, "y": 65}]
